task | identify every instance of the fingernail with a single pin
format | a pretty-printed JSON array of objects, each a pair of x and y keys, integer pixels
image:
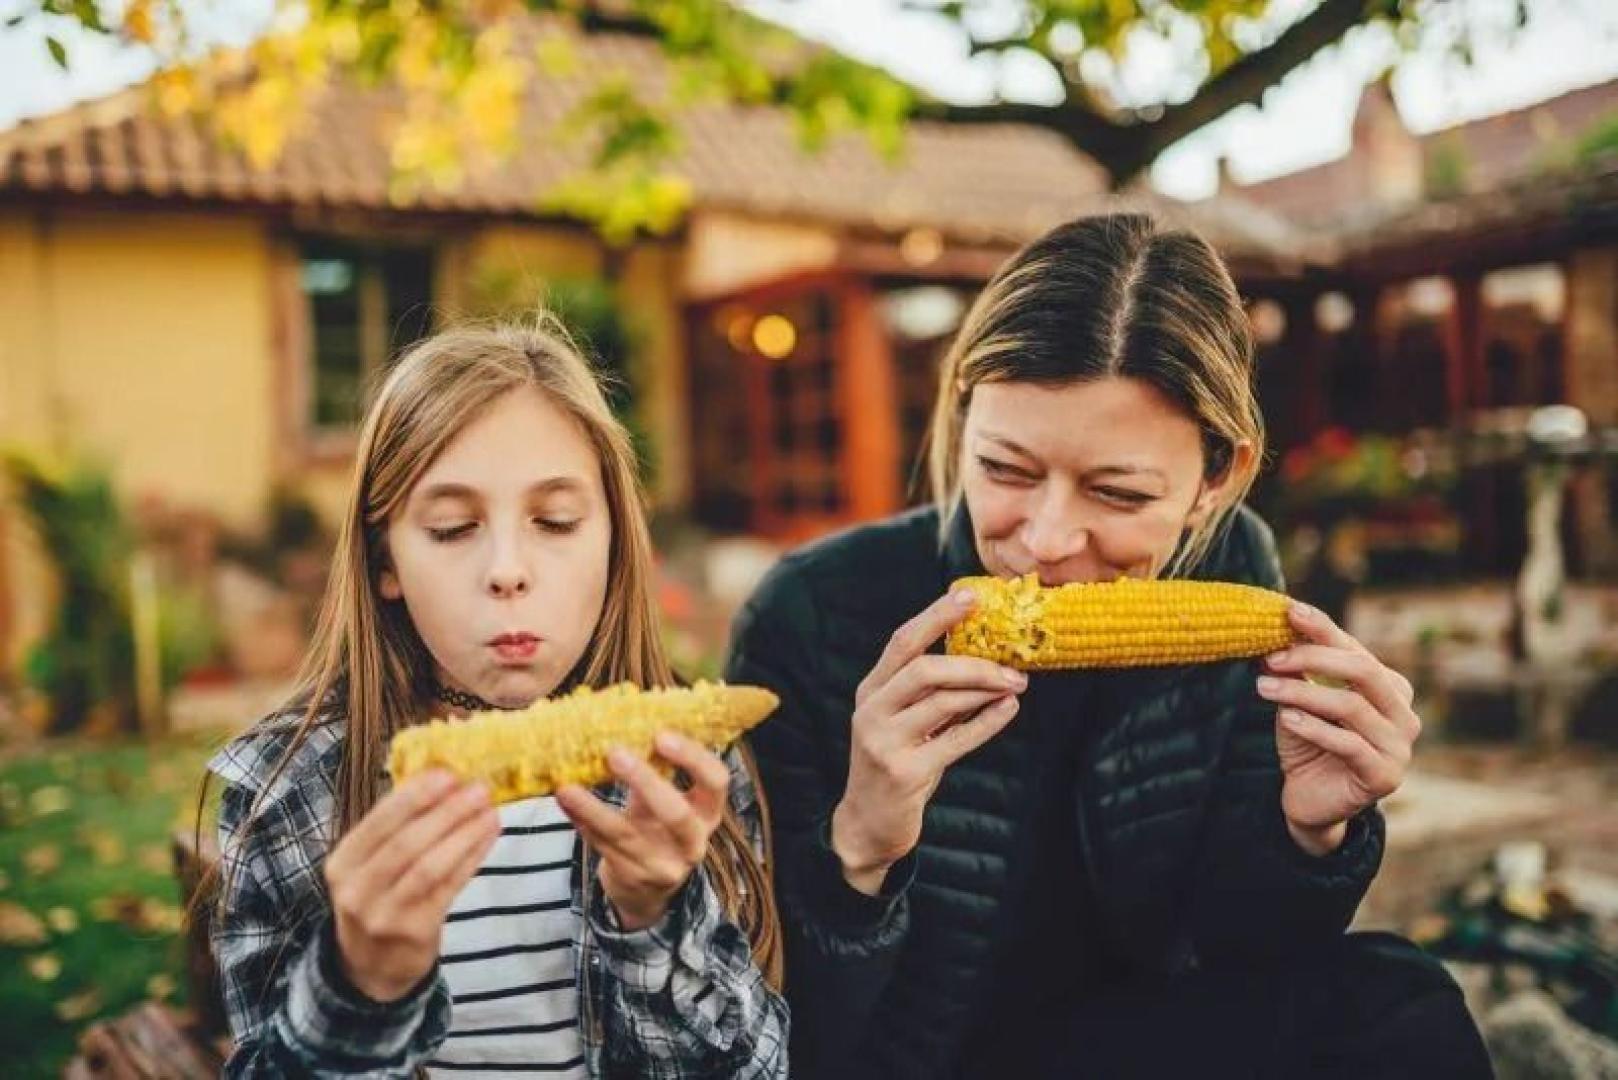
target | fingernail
[
  {"x": 1304, "y": 611},
  {"x": 965, "y": 597},
  {"x": 620, "y": 759},
  {"x": 1277, "y": 657},
  {"x": 669, "y": 741},
  {"x": 1267, "y": 685}
]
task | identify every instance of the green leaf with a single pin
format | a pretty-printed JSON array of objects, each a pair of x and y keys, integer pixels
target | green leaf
[{"x": 58, "y": 52}]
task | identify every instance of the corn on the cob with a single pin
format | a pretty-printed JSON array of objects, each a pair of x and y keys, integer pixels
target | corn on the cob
[
  {"x": 535, "y": 751},
  {"x": 1124, "y": 623}
]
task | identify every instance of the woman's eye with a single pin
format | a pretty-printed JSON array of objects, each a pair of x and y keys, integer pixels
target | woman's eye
[
  {"x": 452, "y": 532},
  {"x": 1126, "y": 498},
  {"x": 999, "y": 470},
  {"x": 558, "y": 525}
]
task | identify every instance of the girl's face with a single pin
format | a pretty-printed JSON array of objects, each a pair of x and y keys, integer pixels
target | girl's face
[
  {"x": 1086, "y": 481},
  {"x": 500, "y": 553}
]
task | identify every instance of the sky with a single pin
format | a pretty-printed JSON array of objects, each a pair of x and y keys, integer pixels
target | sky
[{"x": 1302, "y": 121}]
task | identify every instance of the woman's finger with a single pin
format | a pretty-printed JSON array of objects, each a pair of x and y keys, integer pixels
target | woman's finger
[
  {"x": 928, "y": 674},
  {"x": 927, "y": 717},
  {"x": 1341, "y": 706},
  {"x": 1381, "y": 686},
  {"x": 915, "y": 637},
  {"x": 961, "y": 739},
  {"x": 1374, "y": 771}
]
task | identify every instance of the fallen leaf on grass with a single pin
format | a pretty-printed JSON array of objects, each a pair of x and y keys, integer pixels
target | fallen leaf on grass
[
  {"x": 79, "y": 1006},
  {"x": 62, "y": 919},
  {"x": 42, "y": 859},
  {"x": 51, "y": 799},
  {"x": 45, "y": 966},
  {"x": 19, "y": 926},
  {"x": 106, "y": 847},
  {"x": 155, "y": 857},
  {"x": 161, "y": 987}
]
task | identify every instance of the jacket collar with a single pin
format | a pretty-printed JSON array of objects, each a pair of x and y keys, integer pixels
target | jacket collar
[{"x": 960, "y": 553}]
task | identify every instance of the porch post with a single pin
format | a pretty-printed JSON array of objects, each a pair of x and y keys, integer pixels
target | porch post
[{"x": 868, "y": 394}]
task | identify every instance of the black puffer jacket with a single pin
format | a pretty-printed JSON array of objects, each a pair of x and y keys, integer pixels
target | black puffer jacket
[{"x": 1177, "y": 810}]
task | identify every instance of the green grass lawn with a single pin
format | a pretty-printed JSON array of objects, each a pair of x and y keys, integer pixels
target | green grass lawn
[{"x": 89, "y": 909}]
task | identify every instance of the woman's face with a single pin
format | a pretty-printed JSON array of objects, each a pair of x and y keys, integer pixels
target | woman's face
[
  {"x": 500, "y": 552},
  {"x": 1084, "y": 481}
]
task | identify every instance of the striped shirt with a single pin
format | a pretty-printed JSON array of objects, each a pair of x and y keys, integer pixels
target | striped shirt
[{"x": 507, "y": 955}]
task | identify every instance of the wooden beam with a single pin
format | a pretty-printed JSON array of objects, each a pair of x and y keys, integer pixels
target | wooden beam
[{"x": 867, "y": 389}]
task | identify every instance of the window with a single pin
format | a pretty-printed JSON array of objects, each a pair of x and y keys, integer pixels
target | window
[{"x": 365, "y": 305}]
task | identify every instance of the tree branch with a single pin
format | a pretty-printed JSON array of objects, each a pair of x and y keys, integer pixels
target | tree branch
[{"x": 1125, "y": 148}]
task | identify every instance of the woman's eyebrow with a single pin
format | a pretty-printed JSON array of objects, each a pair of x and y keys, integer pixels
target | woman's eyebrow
[
  {"x": 1009, "y": 444},
  {"x": 1125, "y": 470}
]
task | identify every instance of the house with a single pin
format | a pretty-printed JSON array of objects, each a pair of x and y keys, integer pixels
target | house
[{"x": 211, "y": 326}]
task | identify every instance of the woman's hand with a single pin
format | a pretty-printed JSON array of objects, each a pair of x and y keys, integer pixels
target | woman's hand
[
  {"x": 392, "y": 878},
  {"x": 1342, "y": 747},
  {"x": 649, "y": 849},
  {"x": 914, "y": 716}
]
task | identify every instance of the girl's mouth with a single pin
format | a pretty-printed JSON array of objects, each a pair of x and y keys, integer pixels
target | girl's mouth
[{"x": 515, "y": 648}]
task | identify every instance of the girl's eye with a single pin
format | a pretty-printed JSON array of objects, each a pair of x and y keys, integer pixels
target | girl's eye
[
  {"x": 999, "y": 470},
  {"x": 558, "y": 526},
  {"x": 453, "y": 532},
  {"x": 1123, "y": 497}
]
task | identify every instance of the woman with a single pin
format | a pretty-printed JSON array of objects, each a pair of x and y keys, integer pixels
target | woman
[{"x": 1105, "y": 874}]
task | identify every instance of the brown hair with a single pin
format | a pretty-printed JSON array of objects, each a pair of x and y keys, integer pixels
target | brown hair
[
  {"x": 1112, "y": 295},
  {"x": 368, "y": 663}
]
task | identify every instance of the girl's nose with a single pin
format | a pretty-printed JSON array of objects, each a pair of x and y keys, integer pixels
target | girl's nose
[{"x": 508, "y": 575}]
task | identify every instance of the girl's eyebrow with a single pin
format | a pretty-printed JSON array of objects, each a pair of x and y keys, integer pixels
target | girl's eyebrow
[{"x": 450, "y": 489}]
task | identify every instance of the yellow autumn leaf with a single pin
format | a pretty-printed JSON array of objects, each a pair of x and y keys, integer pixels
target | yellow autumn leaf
[
  {"x": 51, "y": 799},
  {"x": 42, "y": 859},
  {"x": 44, "y": 966},
  {"x": 78, "y": 1006},
  {"x": 139, "y": 23},
  {"x": 20, "y": 927},
  {"x": 161, "y": 987},
  {"x": 154, "y": 857},
  {"x": 63, "y": 920}
]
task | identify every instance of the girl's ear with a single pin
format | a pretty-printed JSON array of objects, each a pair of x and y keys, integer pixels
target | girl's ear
[{"x": 388, "y": 585}]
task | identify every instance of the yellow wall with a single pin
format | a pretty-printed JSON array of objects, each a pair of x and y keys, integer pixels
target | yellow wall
[{"x": 144, "y": 338}]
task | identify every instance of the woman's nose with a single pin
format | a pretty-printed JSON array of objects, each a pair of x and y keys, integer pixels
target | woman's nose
[{"x": 1054, "y": 533}]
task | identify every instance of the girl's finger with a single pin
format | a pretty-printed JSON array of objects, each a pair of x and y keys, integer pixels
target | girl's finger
[
  {"x": 915, "y": 637},
  {"x": 605, "y": 828},
  {"x": 413, "y": 797},
  {"x": 395, "y": 856},
  {"x": 928, "y": 717},
  {"x": 1375, "y": 773},
  {"x": 471, "y": 862},
  {"x": 961, "y": 739},
  {"x": 434, "y": 866},
  {"x": 1343, "y": 707},
  {"x": 1378, "y": 683},
  {"x": 710, "y": 776},
  {"x": 668, "y": 807}
]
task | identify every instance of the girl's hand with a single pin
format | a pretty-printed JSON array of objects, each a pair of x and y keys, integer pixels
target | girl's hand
[
  {"x": 649, "y": 849},
  {"x": 1341, "y": 748},
  {"x": 392, "y": 878},
  {"x": 910, "y": 723}
]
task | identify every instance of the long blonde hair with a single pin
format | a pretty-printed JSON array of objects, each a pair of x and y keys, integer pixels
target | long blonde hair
[
  {"x": 366, "y": 660},
  {"x": 1114, "y": 294}
]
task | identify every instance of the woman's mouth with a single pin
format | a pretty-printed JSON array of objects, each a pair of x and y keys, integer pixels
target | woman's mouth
[{"x": 515, "y": 648}]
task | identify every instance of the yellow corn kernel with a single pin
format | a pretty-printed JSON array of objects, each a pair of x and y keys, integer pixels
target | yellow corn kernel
[
  {"x": 550, "y": 744},
  {"x": 1123, "y": 623}
]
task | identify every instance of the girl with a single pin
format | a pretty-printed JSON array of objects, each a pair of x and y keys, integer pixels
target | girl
[
  {"x": 493, "y": 552},
  {"x": 1143, "y": 873}
]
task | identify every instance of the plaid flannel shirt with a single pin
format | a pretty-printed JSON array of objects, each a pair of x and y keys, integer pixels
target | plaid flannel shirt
[{"x": 679, "y": 999}]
